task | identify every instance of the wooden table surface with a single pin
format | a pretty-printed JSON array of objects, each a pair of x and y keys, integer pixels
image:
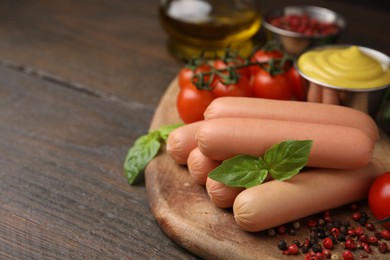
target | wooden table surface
[{"x": 79, "y": 82}]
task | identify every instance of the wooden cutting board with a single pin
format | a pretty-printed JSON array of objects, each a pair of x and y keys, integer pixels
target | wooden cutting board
[{"x": 185, "y": 213}]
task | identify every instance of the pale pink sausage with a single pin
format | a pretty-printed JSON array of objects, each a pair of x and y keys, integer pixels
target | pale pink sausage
[
  {"x": 296, "y": 111},
  {"x": 334, "y": 146},
  {"x": 181, "y": 142},
  {"x": 278, "y": 202},
  {"x": 220, "y": 194},
  {"x": 199, "y": 166}
]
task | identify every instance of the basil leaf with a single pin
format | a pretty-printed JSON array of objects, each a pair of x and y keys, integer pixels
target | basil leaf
[
  {"x": 240, "y": 171},
  {"x": 166, "y": 130},
  {"x": 145, "y": 148},
  {"x": 140, "y": 154},
  {"x": 286, "y": 159},
  {"x": 385, "y": 220}
]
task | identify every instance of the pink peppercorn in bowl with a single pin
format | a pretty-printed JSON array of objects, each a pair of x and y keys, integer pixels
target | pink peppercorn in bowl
[{"x": 299, "y": 28}]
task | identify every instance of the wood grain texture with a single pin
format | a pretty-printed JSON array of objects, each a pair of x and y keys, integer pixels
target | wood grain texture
[
  {"x": 62, "y": 189},
  {"x": 185, "y": 213}
]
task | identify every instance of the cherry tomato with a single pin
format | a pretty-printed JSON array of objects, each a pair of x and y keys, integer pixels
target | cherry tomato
[
  {"x": 272, "y": 87},
  {"x": 240, "y": 89},
  {"x": 297, "y": 84},
  {"x": 192, "y": 102},
  {"x": 244, "y": 71},
  {"x": 379, "y": 197},
  {"x": 264, "y": 56},
  {"x": 186, "y": 74}
]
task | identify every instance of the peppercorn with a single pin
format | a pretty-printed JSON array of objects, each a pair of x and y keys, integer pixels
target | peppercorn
[
  {"x": 350, "y": 244},
  {"x": 291, "y": 231},
  {"x": 320, "y": 256},
  {"x": 363, "y": 238},
  {"x": 328, "y": 219},
  {"x": 363, "y": 221},
  {"x": 370, "y": 226},
  {"x": 385, "y": 234},
  {"x": 271, "y": 232},
  {"x": 354, "y": 207},
  {"x": 343, "y": 229},
  {"x": 282, "y": 245},
  {"x": 351, "y": 232},
  {"x": 305, "y": 249},
  {"x": 316, "y": 248},
  {"x": 321, "y": 222},
  {"x": 293, "y": 249},
  {"x": 341, "y": 238},
  {"x": 383, "y": 247},
  {"x": 327, "y": 243},
  {"x": 311, "y": 223},
  {"x": 347, "y": 255},
  {"x": 296, "y": 225},
  {"x": 327, "y": 253},
  {"x": 296, "y": 242},
  {"x": 359, "y": 231},
  {"x": 321, "y": 234},
  {"x": 367, "y": 248},
  {"x": 281, "y": 229},
  {"x": 372, "y": 240},
  {"x": 356, "y": 216},
  {"x": 310, "y": 256},
  {"x": 329, "y": 226},
  {"x": 335, "y": 257},
  {"x": 335, "y": 231}
]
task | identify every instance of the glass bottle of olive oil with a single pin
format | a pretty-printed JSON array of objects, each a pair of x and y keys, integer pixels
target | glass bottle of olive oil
[{"x": 209, "y": 26}]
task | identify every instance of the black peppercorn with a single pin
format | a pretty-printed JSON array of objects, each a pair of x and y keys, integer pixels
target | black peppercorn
[
  {"x": 282, "y": 245},
  {"x": 341, "y": 237},
  {"x": 305, "y": 249},
  {"x": 316, "y": 248}
]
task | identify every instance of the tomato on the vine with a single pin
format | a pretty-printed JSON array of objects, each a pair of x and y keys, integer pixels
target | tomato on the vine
[
  {"x": 241, "y": 88},
  {"x": 244, "y": 71},
  {"x": 271, "y": 86},
  {"x": 265, "y": 56},
  {"x": 379, "y": 197},
  {"x": 192, "y": 102},
  {"x": 187, "y": 73},
  {"x": 297, "y": 84}
]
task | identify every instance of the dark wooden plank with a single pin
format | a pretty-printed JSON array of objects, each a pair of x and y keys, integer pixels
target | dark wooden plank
[
  {"x": 115, "y": 47},
  {"x": 62, "y": 188}
]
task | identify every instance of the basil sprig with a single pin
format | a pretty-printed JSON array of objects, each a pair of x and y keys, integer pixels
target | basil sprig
[
  {"x": 145, "y": 148},
  {"x": 282, "y": 161}
]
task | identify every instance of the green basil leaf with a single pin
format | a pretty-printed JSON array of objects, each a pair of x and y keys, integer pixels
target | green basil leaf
[
  {"x": 382, "y": 221},
  {"x": 145, "y": 148},
  {"x": 286, "y": 159},
  {"x": 167, "y": 129},
  {"x": 240, "y": 171},
  {"x": 140, "y": 154}
]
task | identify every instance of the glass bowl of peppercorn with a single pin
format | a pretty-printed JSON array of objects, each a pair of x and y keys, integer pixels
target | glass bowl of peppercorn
[{"x": 299, "y": 28}]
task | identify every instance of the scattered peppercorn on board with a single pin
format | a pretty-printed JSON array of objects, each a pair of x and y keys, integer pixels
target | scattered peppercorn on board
[{"x": 185, "y": 213}]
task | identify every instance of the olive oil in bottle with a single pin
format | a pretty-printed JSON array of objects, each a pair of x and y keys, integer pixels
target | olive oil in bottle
[{"x": 209, "y": 26}]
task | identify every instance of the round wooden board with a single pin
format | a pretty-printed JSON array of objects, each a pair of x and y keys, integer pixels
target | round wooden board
[{"x": 185, "y": 213}]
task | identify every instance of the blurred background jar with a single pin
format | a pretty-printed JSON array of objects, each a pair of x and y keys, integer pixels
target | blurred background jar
[{"x": 209, "y": 26}]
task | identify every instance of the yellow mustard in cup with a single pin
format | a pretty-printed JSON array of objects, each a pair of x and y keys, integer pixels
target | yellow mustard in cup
[{"x": 344, "y": 67}]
